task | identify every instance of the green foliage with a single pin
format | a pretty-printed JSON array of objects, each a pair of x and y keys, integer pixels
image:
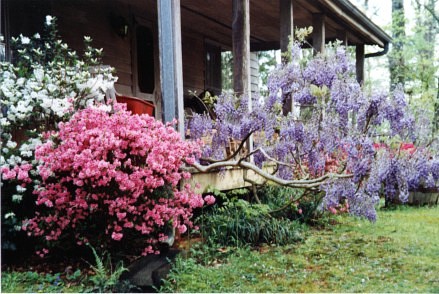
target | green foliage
[
  {"x": 413, "y": 62},
  {"x": 291, "y": 203},
  {"x": 398, "y": 253},
  {"x": 227, "y": 70},
  {"x": 35, "y": 282},
  {"x": 267, "y": 63},
  {"x": 105, "y": 278},
  {"x": 239, "y": 222}
]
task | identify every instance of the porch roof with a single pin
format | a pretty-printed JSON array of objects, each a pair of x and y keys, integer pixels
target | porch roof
[{"x": 341, "y": 17}]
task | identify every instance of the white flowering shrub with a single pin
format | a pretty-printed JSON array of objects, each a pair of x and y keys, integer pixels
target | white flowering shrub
[{"x": 43, "y": 84}]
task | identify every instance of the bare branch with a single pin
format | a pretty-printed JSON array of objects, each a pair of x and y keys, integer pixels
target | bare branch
[
  {"x": 211, "y": 160},
  {"x": 274, "y": 159},
  {"x": 303, "y": 183}
]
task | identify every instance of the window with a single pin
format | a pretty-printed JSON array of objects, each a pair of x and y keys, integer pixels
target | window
[
  {"x": 145, "y": 59},
  {"x": 212, "y": 78}
]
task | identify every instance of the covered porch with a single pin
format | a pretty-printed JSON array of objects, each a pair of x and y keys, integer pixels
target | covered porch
[{"x": 163, "y": 50}]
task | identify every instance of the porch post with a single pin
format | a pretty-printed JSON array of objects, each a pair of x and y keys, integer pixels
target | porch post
[
  {"x": 241, "y": 53},
  {"x": 359, "y": 62},
  {"x": 171, "y": 72},
  {"x": 318, "y": 33},
  {"x": 286, "y": 25},
  {"x": 286, "y": 31},
  {"x": 241, "y": 47},
  {"x": 342, "y": 35}
]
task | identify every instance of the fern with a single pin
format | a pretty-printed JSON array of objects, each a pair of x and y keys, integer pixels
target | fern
[{"x": 105, "y": 279}]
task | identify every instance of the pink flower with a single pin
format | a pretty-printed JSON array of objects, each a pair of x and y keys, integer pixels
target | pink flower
[
  {"x": 98, "y": 149},
  {"x": 182, "y": 229},
  {"x": 332, "y": 210},
  {"x": 121, "y": 215},
  {"x": 116, "y": 236},
  {"x": 300, "y": 211},
  {"x": 209, "y": 199},
  {"x": 7, "y": 173}
]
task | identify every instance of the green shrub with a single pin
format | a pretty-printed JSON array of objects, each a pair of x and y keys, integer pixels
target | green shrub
[
  {"x": 291, "y": 203},
  {"x": 238, "y": 222}
]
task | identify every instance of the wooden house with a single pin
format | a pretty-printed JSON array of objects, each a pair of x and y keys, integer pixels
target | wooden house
[{"x": 162, "y": 49}]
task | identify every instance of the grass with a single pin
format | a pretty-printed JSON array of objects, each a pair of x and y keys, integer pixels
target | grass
[
  {"x": 398, "y": 253},
  {"x": 32, "y": 282}
]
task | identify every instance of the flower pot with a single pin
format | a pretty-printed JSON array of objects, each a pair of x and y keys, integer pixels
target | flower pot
[{"x": 136, "y": 105}]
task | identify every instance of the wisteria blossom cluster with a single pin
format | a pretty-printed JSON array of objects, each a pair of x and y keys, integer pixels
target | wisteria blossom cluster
[
  {"x": 327, "y": 142},
  {"x": 44, "y": 84},
  {"x": 107, "y": 176}
]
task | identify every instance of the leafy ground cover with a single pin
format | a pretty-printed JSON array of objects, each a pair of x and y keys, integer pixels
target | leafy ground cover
[{"x": 398, "y": 253}]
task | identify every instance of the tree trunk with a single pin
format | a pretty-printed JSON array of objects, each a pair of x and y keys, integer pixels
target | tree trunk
[{"x": 396, "y": 57}]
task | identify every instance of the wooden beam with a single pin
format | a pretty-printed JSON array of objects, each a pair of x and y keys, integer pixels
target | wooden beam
[
  {"x": 318, "y": 33},
  {"x": 171, "y": 71},
  {"x": 241, "y": 47},
  {"x": 286, "y": 25},
  {"x": 359, "y": 62},
  {"x": 264, "y": 46}
]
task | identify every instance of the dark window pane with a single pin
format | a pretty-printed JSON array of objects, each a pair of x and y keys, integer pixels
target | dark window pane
[
  {"x": 145, "y": 59},
  {"x": 212, "y": 81}
]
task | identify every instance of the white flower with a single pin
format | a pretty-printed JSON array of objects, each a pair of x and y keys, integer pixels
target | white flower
[
  {"x": 11, "y": 144},
  {"x": 37, "y": 36},
  {"x": 49, "y": 20},
  {"x": 21, "y": 81},
  {"x": 51, "y": 88},
  {"x": 38, "y": 51},
  {"x": 46, "y": 102},
  {"x": 24, "y": 40},
  {"x": 26, "y": 150},
  {"x": 72, "y": 54},
  {"x": 20, "y": 189},
  {"x": 60, "y": 107},
  {"x": 23, "y": 107},
  {"x": 4, "y": 122},
  {"x": 11, "y": 116},
  {"x": 17, "y": 198},
  {"x": 9, "y": 214},
  {"x": 6, "y": 91},
  {"x": 39, "y": 74},
  {"x": 14, "y": 160}
]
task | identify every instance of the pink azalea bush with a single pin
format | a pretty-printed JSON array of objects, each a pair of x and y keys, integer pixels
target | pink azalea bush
[{"x": 113, "y": 176}]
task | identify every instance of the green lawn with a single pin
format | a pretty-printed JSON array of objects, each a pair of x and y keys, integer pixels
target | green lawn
[{"x": 398, "y": 253}]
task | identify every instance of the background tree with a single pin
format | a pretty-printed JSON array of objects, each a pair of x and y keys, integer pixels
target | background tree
[
  {"x": 422, "y": 65},
  {"x": 267, "y": 63},
  {"x": 396, "y": 56}
]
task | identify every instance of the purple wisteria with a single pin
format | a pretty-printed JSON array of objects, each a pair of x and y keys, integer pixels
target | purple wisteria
[{"x": 328, "y": 142}]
